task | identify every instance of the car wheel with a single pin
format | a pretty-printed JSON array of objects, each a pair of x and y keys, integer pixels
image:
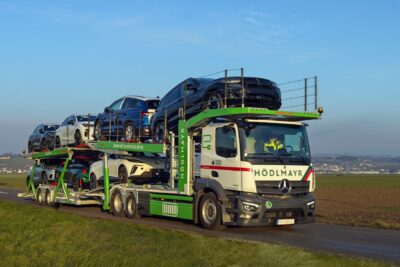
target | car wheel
[
  {"x": 122, "y": 174},
  {"x": 44, "y": 178},
  {"x": 159, "y": 133},
  {"x": 93, "y": 181},
  {"x": 210, "y": 211},
  {"x": 75, "y": 183},
  {"x": 78, "y": 138},
  {"x": 117, "y": 205},
  {"x": 129, "y": 132},
  {"x": 131, "y": 207},
  {"x": 214, "y": 101},
  {"x": 44, "y": 145},
  {"x": 58, "y": 142},
  {"x": 97, "y": 132}
]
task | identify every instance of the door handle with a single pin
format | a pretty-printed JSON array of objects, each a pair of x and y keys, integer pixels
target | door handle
[{"x": 214, "y": 174}]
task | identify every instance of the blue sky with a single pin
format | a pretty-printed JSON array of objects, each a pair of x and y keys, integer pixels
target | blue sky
[{"x": 64, "y": 57}]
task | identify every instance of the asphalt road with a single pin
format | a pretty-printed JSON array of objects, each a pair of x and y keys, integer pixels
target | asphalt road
[{"x": 353, "y": 241}]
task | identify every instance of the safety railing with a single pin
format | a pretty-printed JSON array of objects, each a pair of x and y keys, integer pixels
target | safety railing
[{"x": 300, "y": 94}]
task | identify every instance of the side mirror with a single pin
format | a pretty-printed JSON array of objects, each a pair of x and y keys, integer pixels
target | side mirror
[
  {"x": 71, "y": 122},
  {"x": 107, "y": 110},
  {"x": 191, "y": 87}
]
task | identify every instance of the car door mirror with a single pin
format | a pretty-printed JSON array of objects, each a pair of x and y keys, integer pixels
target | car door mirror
[
  {"x": 71, "y": 122},
  {"x": 107, "y": 110},
  {"x": 190, "y": 87}
]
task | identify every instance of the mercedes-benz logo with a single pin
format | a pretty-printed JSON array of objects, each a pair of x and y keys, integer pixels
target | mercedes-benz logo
[{"x": 285, "y": 186}]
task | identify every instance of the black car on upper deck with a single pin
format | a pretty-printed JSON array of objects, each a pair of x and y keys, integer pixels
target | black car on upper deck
[
  {"x": 42, "y": 137},
  {"x": 205, "y": 93}
]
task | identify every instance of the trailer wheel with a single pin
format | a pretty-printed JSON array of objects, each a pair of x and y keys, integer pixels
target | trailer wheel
[
  {"x": 117, "y": 205},
  {"x": 39, "y": 197},
  {"x": 210, "y": 211},
  {"x": 48, "y": 198},
  {"x": 131, "y": 206}
]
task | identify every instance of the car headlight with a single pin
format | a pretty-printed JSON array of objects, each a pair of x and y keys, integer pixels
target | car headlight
[{"x": 247, "y": 206}]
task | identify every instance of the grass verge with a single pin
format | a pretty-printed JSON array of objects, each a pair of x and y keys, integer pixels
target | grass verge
[
  {"x": 34, "y": 236},
  {"x": 14, "y": 181}
]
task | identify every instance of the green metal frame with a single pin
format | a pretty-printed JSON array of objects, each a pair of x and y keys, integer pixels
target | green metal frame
[
  {"x": 30, "y": 183},
  {"x": 183, "y": 156},
  {"x": 171, "y": 206},
  {"x": 53, "y": 153},
  {"x": 61, "y": 183},
  {"x": 131, "y": 147},
  {"x": 106, "y": 177},
  {"x": 258, "y": 112}
]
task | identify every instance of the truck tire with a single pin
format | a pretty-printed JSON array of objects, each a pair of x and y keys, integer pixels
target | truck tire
[
  {"x": 39, "y": 197},
  {"x": 48, "y": 198},
  {"x": 131, "y": 207},
  {"x": 210, "y": 211},
  {"x": 117, "y": 205}
]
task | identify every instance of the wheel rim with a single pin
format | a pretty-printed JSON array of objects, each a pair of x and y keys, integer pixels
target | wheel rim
[
  {"x": 209, "y": 211},
  {"x": 123, "y": 175},
  {"x": 130, "y": 207},
  {"x": 117, "y": 204},
  {"x": 213, "y": 102},
  {"x": 40, "y": 197},
  {"x": 129, "y": 132},
  {"x": 48, "y": 197}
]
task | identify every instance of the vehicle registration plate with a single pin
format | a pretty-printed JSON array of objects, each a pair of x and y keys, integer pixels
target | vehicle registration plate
[{"x": 284, "y": 221}]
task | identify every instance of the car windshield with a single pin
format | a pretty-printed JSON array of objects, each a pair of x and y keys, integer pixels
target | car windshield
[
  {"x": 282, "y": 143},
  {"x": 51, "y": 127},
  {"x": 83, "y": 118}
]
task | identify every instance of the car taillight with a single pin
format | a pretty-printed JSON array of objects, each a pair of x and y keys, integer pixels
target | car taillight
[
  {"x": 145, "y": 118},
  {"x": 80, "y": 183},
  {"x": 84, "y": 171}
]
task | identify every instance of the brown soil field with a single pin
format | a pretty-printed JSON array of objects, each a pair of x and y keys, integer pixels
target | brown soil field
[{"x": 365, "y": 206}]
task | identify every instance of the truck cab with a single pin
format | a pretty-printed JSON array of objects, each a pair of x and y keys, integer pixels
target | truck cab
[{"x": 261, "y": 169}]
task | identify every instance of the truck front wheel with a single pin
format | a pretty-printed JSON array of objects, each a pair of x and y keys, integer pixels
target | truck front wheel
[{"x": 210, "y": 211}]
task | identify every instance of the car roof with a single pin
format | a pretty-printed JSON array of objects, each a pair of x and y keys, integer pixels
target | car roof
[
  {"x": 143, "y": 98},
  {"x": 49, "y": 124}
]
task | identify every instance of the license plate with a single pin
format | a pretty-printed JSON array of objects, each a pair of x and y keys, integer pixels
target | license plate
[{"x": 284, "y": 221}]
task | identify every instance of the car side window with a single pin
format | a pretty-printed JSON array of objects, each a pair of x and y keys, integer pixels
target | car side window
[
  {"x": 176, "y": 93},
  {"x": 226, "y": 145},
  {"x": 165, "y": 101},
  {"x": 65, "y": 122},
  {"x": 36, "y": 130},
  {"x": 130, "y": 103},
  {"x": 116, "y": 105}
]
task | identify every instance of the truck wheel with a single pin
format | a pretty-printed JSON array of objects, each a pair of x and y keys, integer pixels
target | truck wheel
[
  {"x": 93, "y": 181},
  {"x": 117, "y": 205},
  {"x": 210, "y": 211},
  {"x": 122, "y": 174},
  {"x": 78, "y": 138},
  {"x": 131, "y": 207},
  {"x": 48, "y": 198},
  {"x": 39, "y": 197}
]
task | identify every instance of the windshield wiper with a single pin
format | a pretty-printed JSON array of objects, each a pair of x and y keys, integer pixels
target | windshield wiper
[{"x": 303, "y": 159}]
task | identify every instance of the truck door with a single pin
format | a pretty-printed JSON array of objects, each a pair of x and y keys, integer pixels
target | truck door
[{"x": 223, "y": 163}]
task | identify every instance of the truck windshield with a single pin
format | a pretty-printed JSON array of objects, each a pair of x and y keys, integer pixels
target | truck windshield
[{"x": 275, "y": 143}]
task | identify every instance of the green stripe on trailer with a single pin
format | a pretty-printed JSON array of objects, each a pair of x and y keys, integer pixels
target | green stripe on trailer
[
  {"x": 269, "y": 114},
  {"x": 54, "y": 153},
  {"x": 171, "y": 197},
  {"x": 131, "y": 147},
  {"x": 171, "y": 209},
  {"x": 183, "y": 157}
]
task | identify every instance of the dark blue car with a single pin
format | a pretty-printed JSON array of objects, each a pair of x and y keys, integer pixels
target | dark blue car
[{"x": 127, "y": 119}]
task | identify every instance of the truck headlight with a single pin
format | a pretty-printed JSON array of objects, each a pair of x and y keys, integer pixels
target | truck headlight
[{"x": 247, "y": 206}]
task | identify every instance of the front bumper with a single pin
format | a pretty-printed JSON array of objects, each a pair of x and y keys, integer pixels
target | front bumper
[{"x": 267, "y": 210}]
